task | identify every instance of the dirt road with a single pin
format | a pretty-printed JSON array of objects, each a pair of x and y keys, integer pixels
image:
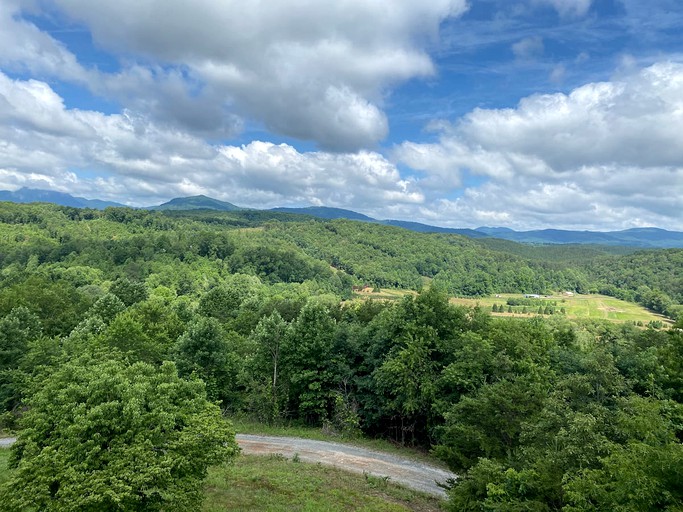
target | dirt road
[{"x": 409, "y": 473}]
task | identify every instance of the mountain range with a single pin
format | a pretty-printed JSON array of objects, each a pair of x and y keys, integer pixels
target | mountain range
[
  {"x": 636, "y": 237},
  {"x": 34, "y": 195}
]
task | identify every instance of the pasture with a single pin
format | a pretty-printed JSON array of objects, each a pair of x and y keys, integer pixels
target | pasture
[{"x": 575, "y": 306}]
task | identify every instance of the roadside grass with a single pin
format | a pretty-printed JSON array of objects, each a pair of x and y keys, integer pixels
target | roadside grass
[
  {"x": 244, "y": 425},
  {"x": 577, "y": 307},
  {"x": 274, "y": 483},
  {"x": 4, "y": 459}
]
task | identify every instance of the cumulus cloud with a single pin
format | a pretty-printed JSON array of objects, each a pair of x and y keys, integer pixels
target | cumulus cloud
[
  {"x": 606, "y": 153},
  {"x": 42, "y": 142},
  {"x": 304, "y": 68},
  {"x": 23, "y": 47}
]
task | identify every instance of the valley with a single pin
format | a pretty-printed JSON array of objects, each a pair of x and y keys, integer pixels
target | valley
[{"x": 178, "y": 323}]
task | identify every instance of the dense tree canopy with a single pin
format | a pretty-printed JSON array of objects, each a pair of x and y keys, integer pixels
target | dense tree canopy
[{"x": 98, "y": 309}]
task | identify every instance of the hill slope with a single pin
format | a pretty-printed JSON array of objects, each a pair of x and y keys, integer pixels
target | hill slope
[{"x": 645, "y": 238}]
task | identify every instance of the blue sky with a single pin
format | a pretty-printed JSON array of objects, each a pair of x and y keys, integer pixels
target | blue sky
[{"x": 527, "y": 114}]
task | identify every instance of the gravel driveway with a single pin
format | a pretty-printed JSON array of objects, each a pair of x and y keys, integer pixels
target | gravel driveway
[{"x": 409, "y": 473}]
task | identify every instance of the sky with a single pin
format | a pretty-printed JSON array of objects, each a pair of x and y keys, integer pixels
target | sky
[{"x": 527, "y": 114}]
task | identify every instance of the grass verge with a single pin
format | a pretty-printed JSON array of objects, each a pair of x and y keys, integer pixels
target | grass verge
[
  {"x": 273, "y": 483},
  {"x": 4, "y": 459}
]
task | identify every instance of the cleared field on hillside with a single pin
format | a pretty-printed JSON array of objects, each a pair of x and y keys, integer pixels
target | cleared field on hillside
[
  {"x": 384, "y": 293},
  {"x": 576, "y": 306}
]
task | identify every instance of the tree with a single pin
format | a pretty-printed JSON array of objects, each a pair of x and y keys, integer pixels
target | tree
[
  {"x": 268, "y": 337},
  {"x": 108, "y": 436},
  {"x": 223, "y": 302},
  {"x": 309, "y": 362},
  {"x": 17, "y": 329},
  {"x": 407, "y": 376},
  {"x": 107, "y": 307},
  {"x": 488, "y": 423},
  {"x": 129, "y": 292},
  {"x": 204, "y": 351}
]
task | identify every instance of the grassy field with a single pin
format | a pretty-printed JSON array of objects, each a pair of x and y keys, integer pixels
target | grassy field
[
  {"x": 384, "y": 293},
  {"x": 276, "y": 484},
  {"x": 577, "y": 306}
]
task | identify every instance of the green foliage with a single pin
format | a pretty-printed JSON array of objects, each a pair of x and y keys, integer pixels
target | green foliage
[
  {"x": 128, "y": 292},
  {"x": 107, "y": 307},
  {"x": 309, "y": 363},
  {"x": 407, "y": 376},
  {"x": 267, "y": 390},
  {"x": 146, "y": 332},
  {"x": 223, "y": 302},
  {"x": 535, "y": 413},
  {"x": 58, "y": 304},
  {"x": 17, "y": 330},
  {"x": 204, "y": 351},
  {"x": 276, "y": 265},
  {"x": 108, "y": 436}
]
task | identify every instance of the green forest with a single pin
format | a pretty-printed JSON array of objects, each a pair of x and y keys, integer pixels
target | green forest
[{"x": 127, "y": 336}]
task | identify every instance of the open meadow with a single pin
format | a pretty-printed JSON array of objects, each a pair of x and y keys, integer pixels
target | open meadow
[
  {"x": 575, "y": 306},
  {"x": 593, "y": 306}
]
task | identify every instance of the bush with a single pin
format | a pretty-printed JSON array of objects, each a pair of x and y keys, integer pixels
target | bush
[{"x": 111, "y": 436}]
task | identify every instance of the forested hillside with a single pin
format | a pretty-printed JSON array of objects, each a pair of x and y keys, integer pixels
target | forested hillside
[{"x": 247, "y": 309}]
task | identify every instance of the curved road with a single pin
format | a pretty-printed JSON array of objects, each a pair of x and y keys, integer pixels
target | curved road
[{"x": 409, "y": 473}]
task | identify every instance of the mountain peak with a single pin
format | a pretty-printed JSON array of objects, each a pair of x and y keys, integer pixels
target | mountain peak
[{"x": 200, "y": 202}]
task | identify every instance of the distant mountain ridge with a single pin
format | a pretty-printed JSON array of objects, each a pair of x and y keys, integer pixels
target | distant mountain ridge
[
  {"x": 645, "y": 238},
  {"x": 325, "y": 212},
  {"x": 634, "y": 237},
  {"x": 426, "y": 228},
  {"x": 36, "y": 195}
]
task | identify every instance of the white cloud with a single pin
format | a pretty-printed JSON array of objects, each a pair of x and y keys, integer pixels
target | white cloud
[
  {"x": 635, "y": 121},
  {"x": 605, "y": 154},
  {"x": 24, "y": 47},
  {"x": 41, "y": 142},
  {"x": 308, "y": 69}
]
